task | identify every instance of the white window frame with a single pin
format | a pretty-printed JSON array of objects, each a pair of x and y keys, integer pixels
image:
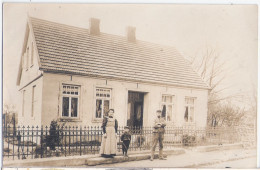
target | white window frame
[
  {"x": 168, "y": 104},
  {"x": 33, "y": 100},
  {"x": 103, "y": 99},
  {"x": 70, "y": 96},
  {"x": 189, "y": 108}
]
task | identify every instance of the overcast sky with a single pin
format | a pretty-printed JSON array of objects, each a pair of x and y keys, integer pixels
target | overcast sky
[{"x": 230, "y": 29}]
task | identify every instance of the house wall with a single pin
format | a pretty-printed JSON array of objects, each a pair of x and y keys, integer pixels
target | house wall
[
  {"x": 27, "y": 118},
  {"x": 52, "y": 103},
  {"x": 30, "y": 77}
]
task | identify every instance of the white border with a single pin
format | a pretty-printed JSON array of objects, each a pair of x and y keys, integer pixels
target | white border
[{"x": 224, "y": 2}]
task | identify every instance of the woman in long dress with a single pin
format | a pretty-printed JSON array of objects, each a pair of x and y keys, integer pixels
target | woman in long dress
[{"x": 109, "y": 144}]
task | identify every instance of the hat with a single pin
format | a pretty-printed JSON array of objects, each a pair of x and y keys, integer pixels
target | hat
[
  {"x": 159, "y": 111},
  {"x": 126, "y": 127}
]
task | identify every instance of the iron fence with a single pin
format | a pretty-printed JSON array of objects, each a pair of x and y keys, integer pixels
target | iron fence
[{"x": 39, "y": 142}]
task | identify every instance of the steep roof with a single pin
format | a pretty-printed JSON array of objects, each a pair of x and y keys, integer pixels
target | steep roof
[{"x": 72, "y": 50}]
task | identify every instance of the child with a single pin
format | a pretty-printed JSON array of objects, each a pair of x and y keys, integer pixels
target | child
[{"x": 126, "y": 138}]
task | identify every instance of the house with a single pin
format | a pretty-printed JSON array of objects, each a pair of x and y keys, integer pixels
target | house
[{"x": 74, "y": 75}]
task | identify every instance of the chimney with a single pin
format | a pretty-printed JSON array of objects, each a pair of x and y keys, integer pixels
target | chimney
[
  {"x": 130, "y": 33},
  {"x": 94, "y": 26}
]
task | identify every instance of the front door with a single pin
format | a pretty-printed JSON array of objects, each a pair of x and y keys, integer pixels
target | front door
[
  {"x": 135, "y": 109},
  {"x": 138, "y": 114}
]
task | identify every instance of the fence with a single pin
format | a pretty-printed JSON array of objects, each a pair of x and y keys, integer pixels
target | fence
[{"x": 39, "y": 142}]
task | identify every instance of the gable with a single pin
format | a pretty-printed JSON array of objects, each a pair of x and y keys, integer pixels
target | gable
[
  {"x": 72, "y": 50},
  {"x": 29, "y": 60}
]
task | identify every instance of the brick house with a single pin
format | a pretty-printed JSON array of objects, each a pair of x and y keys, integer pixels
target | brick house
[{"x": 74, "y": 75}]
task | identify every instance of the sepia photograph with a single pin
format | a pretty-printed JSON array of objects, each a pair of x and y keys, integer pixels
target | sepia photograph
[{"x": 129, "y": 85}]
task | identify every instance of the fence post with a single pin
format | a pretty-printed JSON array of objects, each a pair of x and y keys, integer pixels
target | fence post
[
  {"x": 141, "y": 137},
  {"x": 13, "y": 141},
  {"x": 88, "y": 139},
  {"x": 3, "y": 144},
  {"x": 99, "y": 135},
  {"x": 37, "y": 135},
  {"x": 91, "y": 139},
  {"x": 62, "y": 138},
  {"x": 76, "y": 139},
  {"x": 69, "y": 140},
  {"x": 18, "y": 141},
  {"x": 80, "y": 140},
  {"x": 144, "y": 137},
  {"x": 41, "y": 141},
  {"x": 32, "y": 143},
  {"x": 165, "y": 143},
  {"x": 46, "y": 134},
  {"x": 23, "y": 154},
  {"x": 136, "y": 134},
  {"x": 58, "y": 137},
  {"x": 132, "y": 139},
  {"x": 65, "y": 141},
  {"x": 8, "y": 140},
  {"x": 85, "y": 141},
  {"x": 27, "y": 146},
  {"x": 94, "y": 141}
]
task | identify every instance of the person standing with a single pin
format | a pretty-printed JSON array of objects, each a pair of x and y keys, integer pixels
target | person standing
[
  {"x": 109, "y": 144},
  {"x": 126, "y": 138},
  {"x": 158, "y": 135}
]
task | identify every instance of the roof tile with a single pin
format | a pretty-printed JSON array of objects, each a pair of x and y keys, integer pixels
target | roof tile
[{"x": 73, "y": 50}]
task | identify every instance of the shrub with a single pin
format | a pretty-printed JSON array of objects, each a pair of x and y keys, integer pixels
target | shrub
[
  {"x": 188, "y": 140},
  {"x": 53, "y": 139},
  {"x": 140, "y": 140}
]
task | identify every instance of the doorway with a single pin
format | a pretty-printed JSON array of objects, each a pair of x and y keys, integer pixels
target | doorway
[{"x": 135, "y": 109}]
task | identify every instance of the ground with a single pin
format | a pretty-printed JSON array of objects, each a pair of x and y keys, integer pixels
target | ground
[
  {"x": 191, "y": 159},
  {"x": 245, "y": 163}
]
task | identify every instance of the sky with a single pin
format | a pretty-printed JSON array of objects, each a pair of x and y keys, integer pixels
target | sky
[{"x": 231, "y": 30}]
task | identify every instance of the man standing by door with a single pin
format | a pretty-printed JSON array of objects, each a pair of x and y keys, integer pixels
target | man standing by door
[{"x": 158, "y": 134}]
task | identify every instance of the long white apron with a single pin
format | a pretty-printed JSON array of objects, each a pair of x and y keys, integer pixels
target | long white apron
[{"x": 108, "y": 145}]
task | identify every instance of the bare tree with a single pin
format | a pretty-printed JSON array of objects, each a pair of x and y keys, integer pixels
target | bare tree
[
  {"x": 225, "y": 115},
  {"x": 213, "y": 71},
  {"x": 10, "y": 113}
]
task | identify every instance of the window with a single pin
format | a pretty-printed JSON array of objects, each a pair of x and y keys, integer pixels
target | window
[
  {"x": 70, "y": 100},
  {"x": 23, "y": 103},
  {"x": 103, "y": 100},
  {"x": 167, "y": 107},
  {"x": 33, "y": 100},
  {"x": 32, "y": 55},
  {"x": 189, "y": 109}
]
